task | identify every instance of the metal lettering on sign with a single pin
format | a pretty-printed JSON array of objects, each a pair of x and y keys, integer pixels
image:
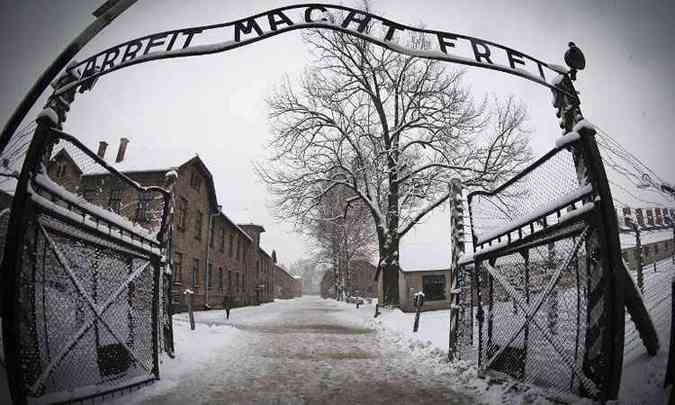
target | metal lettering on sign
[{"x": 221, "y": 37}]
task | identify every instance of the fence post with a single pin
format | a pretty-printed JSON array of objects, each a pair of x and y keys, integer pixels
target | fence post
[
  {"x": 457, "y": 249},
  {"x": 604, "y": 338},
  {"x": 188, "y": 297},
  {"x": 638, "y": 246}
]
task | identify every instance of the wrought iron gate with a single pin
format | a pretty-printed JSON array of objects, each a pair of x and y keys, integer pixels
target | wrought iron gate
[
  {"x": 540, "y": 279},
  {"x": 81, "y": 282}
]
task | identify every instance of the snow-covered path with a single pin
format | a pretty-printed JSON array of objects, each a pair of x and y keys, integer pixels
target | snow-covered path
[{"x": 301, "y": 351}]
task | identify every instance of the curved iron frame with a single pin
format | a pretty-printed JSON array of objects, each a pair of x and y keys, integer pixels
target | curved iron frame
[{"x": 570, "y": 114}]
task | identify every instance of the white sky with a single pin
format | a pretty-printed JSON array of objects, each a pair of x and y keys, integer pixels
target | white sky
[{"x": 214, "y": 105}]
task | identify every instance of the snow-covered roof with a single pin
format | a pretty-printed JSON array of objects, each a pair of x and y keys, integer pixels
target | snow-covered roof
[
  {"x": 237, "y": 227},
  {"x": 628, "y": 239},
  {"x": 422, "y": 270}
]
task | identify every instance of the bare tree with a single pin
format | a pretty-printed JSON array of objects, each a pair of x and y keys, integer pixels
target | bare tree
[
  {"x": 340, "y": 231},
  {"x": 390, "y": 128}
]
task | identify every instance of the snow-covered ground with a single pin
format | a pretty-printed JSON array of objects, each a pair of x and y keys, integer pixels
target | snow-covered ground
[
  {"x": 311, "y": 350},
  {"x": 643, "y": 376},
  {"x": 305, "y": 350}
]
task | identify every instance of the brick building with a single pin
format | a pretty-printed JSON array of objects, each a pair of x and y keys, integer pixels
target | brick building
[
  {"x": 63, "y": 170},
  {"x": 216, "y": 258},
  {"x": 362, "y": 281},
  {"x": 286, "y": 285}
]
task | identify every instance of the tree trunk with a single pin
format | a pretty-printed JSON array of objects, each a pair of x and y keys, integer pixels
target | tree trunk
[{"x": 390, "y": 269}]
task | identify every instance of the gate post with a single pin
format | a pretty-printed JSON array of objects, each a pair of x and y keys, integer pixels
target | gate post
[
  {"x": 457, "y": 224},
  {"x": 604, "y": 341},
  {"x": 13, "y": 258}
]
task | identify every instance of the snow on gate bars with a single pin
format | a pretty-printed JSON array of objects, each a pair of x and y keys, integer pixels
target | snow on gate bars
[
  {"x": 531, "y": 296},
  {"x": 91, "y": 278}
]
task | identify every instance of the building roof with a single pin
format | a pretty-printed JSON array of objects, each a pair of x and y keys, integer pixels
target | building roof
[
  {"x": 237, "y": 227},
  {"x": 63, "y": 154},
  {"x": 422, "y": 270},
  {"x": 134, "y": 168},
  {"x": 282, "y": 269}
]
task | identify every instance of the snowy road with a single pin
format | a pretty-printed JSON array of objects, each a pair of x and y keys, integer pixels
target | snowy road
[{"x": 302, "y": 351}]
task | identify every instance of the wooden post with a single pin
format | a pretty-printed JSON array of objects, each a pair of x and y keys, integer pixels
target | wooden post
[{"x": 188, "y": 298}]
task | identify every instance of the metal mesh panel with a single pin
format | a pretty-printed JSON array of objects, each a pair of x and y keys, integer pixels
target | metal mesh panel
[
  {"x": 541, "y": 287},
  {"x": 548, "y": 349},
  {"x": 529, "y": 199},
  {"x": 86, "y": 285},
  {"x": 67, "y": 275}
]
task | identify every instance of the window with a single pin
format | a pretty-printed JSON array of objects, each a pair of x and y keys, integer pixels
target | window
[
  {"x": 181, "y": 219},
  {"x": 236, "y": 279},
  {"x": 231, "y": 244},
  {"x": 211, "y": 231},
  {"x": 115, "y": 200},
  {"x": 656, "y": 249},
  {"x": 238, "y": 246},
  {"x": 195, "y": 272},
  {"x": 222, "y": 238},
  {"x": 60, "y": 169},
  {"x": 198, "y": 225},
  {"x": 220, "y": 278},
  {"x": 89, "y": 194},
  {"x": 229, "y": 281},
  {"x": 143, "y": 208},
  {"x": 433, "y": 287},
  {"x": 209, "y": 275},
  {"x": 178, "y": 268},
  {"x": 195, "y": 180}
]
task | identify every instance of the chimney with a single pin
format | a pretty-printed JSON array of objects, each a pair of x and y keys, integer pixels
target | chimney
[
  {"x": 102, "y": 146},
  {"x": 122, "y": 150}
]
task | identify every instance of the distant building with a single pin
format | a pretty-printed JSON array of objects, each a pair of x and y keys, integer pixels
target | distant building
[
  {"x": 327, "y": 285},
  {"x": 361, "y": 283},
  {"x": 62, "y": 169},
  {"x": 286, "y": 285},
  {"x": 214, "y": 257},
  {"x": 433, "y": 283}
]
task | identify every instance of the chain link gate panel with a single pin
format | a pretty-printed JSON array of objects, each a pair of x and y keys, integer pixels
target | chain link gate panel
[
  {"x": 82, "y": 278},
  {"x": 537, "y": 284}
]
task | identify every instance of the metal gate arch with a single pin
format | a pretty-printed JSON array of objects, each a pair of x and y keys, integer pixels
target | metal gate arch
[
  {"x": 81, "y": 285},
  {"x": 33, "y": 216}
]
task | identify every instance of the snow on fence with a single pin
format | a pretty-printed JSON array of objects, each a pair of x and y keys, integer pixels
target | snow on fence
[
  {"x": 526, "y": 292},
  {"x": 87, "y": 291}
]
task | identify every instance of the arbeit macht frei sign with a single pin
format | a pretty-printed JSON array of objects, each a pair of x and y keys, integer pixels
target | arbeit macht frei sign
[{"x": 215, "y": 38}]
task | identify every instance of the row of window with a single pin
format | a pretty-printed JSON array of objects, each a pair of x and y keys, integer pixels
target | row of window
[
  {"x": 143, "y": 206},
  {"x": 239, "y": 279},
  {"x": 181, "y": 224}
]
